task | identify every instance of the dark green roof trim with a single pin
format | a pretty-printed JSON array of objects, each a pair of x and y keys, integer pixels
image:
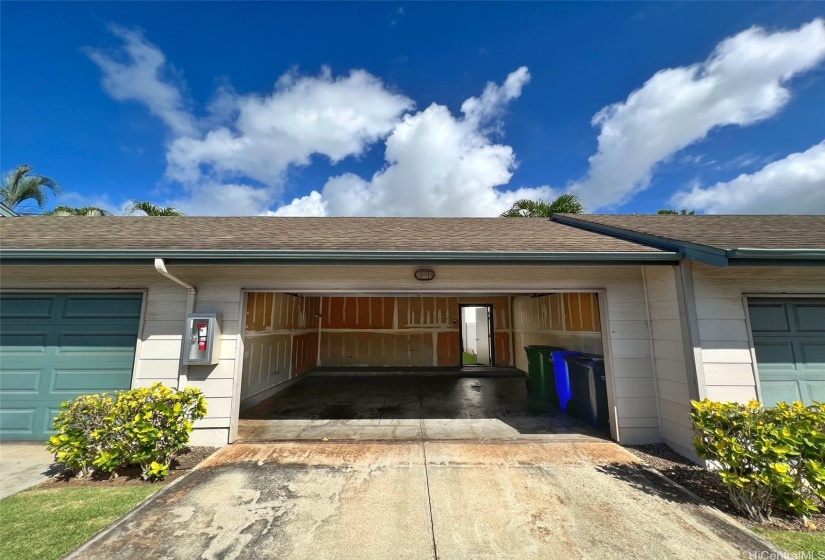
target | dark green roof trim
[
  {"x": 749, "y": 253},
  {"x": 94, "y": 256},
  {"x": 703, "y": 253}
]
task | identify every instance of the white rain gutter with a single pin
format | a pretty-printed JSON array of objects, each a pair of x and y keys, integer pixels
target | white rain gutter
[{"x": 191, "y": 296}]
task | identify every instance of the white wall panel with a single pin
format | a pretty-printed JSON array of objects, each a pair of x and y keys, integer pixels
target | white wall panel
[
  {"x": 726, "y": 351},
  {"x": 219, "y": 291}
]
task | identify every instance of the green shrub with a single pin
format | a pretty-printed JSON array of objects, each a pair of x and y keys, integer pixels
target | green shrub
[
  {"x": 78, "y": 441},
  {"x": 145, "y": 427},
  {"x": 765, "y": 456}
]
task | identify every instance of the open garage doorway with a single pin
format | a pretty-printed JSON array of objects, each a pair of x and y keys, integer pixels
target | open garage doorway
[
  {"x": 477, "y": 346},
  {"x": 359, "y": 367}
]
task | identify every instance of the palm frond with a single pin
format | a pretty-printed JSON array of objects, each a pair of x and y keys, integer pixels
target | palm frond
[
  {"x": 19, "y": 186},
  {"x": 566, "y": 203},
  {"x": 151, "y": 209},
  {"x": 71, "y": 211}
]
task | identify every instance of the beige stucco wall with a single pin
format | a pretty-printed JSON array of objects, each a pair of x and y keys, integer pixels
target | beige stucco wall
[
  {"x": 726, "y": 355},
  {"x": 220, "y": 290}
]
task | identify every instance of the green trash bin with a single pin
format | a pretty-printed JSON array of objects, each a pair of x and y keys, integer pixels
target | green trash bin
[{"x": 541, "y": 382}]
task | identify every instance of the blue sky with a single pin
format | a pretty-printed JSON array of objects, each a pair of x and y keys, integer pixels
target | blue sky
[{"x": 362, "y": 108}]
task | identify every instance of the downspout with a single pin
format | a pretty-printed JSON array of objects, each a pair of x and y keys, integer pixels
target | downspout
[{"x": 191, "y": 295}]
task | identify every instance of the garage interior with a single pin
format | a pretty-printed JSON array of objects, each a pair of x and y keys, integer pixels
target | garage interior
[{"x": 406, "y": 366}]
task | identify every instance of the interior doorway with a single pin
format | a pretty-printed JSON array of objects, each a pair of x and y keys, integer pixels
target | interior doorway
[{"x": 477, "y": 347}]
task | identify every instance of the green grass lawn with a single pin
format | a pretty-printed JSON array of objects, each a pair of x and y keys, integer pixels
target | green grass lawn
[
  {"x": 469, "y": 359},
  {"x": 796, "y": 541},
  {"x": 48, "y": 523}
]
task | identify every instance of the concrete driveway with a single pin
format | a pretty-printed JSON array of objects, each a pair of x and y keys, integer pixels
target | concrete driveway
[
  {"x": 23, "y": 465},
  {"x": 447, "y": 500}
]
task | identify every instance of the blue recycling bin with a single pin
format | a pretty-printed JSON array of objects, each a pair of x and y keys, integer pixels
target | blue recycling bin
[{"x": 563, "y": 376}]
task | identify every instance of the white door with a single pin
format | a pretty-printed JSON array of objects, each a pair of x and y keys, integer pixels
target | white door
[
  {"x": 470, "y": 338},
  {"x": 482, "y": 336}
]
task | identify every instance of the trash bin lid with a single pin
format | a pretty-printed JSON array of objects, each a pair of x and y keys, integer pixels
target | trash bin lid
[{"x": 585, "y": 358}]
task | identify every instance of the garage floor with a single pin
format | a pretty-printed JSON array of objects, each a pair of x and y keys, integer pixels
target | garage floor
[{"x": 408, "y": 407}]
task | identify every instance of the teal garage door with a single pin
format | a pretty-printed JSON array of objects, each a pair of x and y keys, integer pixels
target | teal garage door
[
  {"x": 56, "y": 347},
  {"x": 789, "y": 339}
]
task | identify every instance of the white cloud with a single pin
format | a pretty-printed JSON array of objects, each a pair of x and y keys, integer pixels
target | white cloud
[
  {"x": 478, "y": 110},
  {"x": 222, "y": 199},
  {"x": 248, "y": 137},
  {"x": 334, "y": 117},
  {"x": 437, "y": 165},
  {"x": 312, "y": 204},
  {"x": 742, "y": 82},
  {"x": 143, "y": 76},
  {"x": 794, "y": 185},
  {"x": 234, "y": 159}
]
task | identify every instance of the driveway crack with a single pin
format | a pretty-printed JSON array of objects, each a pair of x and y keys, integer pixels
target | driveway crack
[{"x": 427, "y": 479}]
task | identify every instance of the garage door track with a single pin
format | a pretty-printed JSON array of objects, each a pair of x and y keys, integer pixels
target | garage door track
[{"x": 447, "y": 500}]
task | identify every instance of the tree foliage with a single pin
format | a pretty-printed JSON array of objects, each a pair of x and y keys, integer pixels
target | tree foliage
[
  {"x": 682, "y": 212},
  {"x": 72, "y": 211},
  {"x": 151, "y": 209},
  {"x": 21, "y": 186},
  {"x": 564, "y": 204}
]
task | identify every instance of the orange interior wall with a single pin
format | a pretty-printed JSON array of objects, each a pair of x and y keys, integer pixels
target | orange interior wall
[
  {"x": 267, "y": 311},
  {"x": 568, "y": 320},
  {"x": 304, "y": 352},
  {"x": 287, "y": 335},
  {"x": 281, "y": 338},
  {"x": 581, "y": 312},
  {"x": 418, "y": 331},
  {"x": 448, "y": 349},
  {"x": 358, "y": 312}
]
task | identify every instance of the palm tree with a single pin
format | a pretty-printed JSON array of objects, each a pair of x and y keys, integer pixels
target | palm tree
[
  {"x": 151, "y": 209},
  {"x": 71, "y": 211},
  {"x": 565, "y": 204},
  {"x": 19, "y": 186}
]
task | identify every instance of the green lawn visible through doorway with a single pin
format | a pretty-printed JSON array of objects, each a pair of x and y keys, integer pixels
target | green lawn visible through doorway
[{"x": 469, "y": 359}]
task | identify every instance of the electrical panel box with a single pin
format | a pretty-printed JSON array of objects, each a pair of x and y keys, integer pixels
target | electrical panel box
[{"x": 202, "y": 339}]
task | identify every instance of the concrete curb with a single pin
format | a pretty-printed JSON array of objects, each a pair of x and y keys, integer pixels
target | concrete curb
[
  {"x": 769, "y": 546},
  {"x": 136, "y": 510}
]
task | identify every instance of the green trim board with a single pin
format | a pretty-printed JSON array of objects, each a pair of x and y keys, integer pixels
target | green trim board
[
  {"x": 54, "y": 347},
  {"x": 125, "y": 256},
  {"x": 714, "y": 256}
]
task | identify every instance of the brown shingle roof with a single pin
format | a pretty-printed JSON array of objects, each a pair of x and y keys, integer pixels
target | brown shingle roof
[
  {"x": 720, "y": 232},
  {"x": 305, "y": 234}
]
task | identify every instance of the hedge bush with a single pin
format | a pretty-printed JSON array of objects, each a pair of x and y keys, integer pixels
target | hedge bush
[
  {"x": 145, "y": 427},
  {"x": 765, "y": 456}
]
